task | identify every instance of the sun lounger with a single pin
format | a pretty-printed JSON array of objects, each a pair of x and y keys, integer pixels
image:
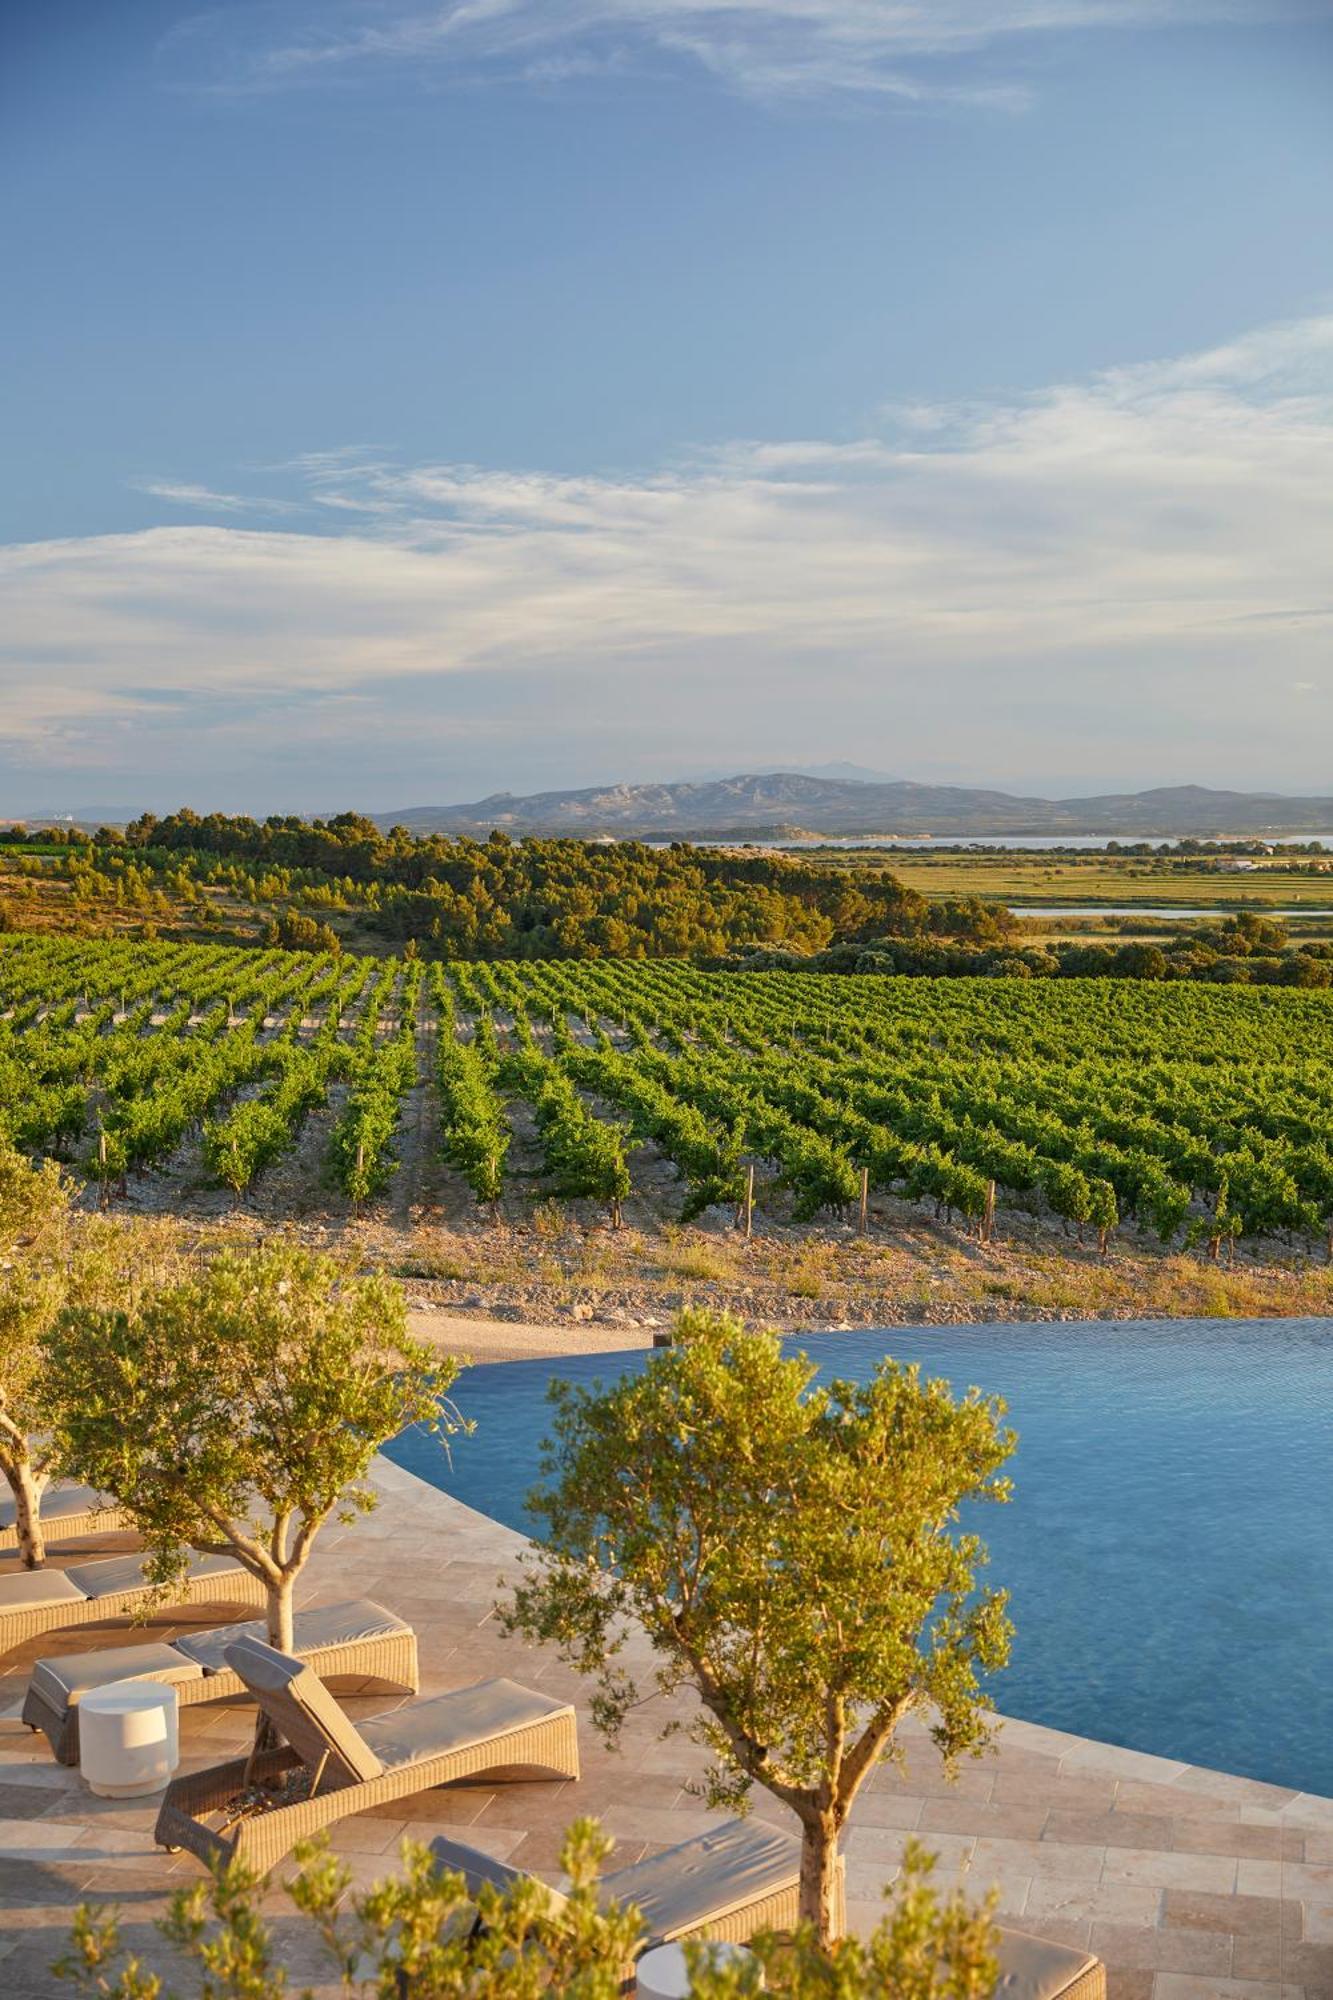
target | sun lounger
[
  {"x": 67, "y": 1512},
  {"x": 329, "y": 1768},
  {"x": 361, "y": 1639},
  {"x": 1032, "y": 1969},
  {"x": 741, "y": 1878},
  {"x": 47, "y": 1600}
]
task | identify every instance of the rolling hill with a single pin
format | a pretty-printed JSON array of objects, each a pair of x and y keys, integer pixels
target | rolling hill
[{"x": 784, "y": 803}]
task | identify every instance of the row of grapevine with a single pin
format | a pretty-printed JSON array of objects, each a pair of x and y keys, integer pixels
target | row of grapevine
[
  {"x": 382, "y": 1071},
  {"x": 583, "y": 1154},
  {"x": 475, "y": 1137}
]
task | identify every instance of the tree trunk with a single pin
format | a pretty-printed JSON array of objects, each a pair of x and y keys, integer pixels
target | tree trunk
[
  {"x": 819, "y": 1875},
  {"x": 279, "y": 1619},
  {"x": 280, "y": 1614},
  {"x": 28, "y": 1487}
]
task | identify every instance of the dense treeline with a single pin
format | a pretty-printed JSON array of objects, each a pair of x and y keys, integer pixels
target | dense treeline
[
  {"x": 556, "y": 898},
  {"x": 1244, "y": 950}
]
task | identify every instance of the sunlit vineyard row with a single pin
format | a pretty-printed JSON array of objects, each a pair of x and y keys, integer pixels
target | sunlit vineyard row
[{"x": 1193, "y": 1114}]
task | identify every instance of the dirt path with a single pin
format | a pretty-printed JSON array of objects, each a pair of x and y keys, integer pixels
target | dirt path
[
  {"x": 417, "y": 1142},
  {"x": 481, "y": 1339}
]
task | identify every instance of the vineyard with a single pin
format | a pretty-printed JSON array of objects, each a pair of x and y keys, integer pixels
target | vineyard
[{"x": 1186, "y": 1115}]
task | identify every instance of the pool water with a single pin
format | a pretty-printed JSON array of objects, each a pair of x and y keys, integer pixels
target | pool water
[{"x": 1169, "y": 1546}]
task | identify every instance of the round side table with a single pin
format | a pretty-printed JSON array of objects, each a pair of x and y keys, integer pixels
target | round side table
[
  {"x": 661, "y": 1973},
  {"x": 128, "y": 1741}
]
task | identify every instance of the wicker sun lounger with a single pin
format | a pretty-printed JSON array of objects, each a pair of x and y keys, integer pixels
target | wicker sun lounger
[
  {"x": 740, "y": 1878},
  {"x": 329, "y": 1768},
  {"x": 744, "y": 1878},
  {"x": 46, "y": 1600},
  {"x": 67, "y": 1513},
  {"x": 1032, "y": 1969},
  {"x": 360, "y": 1639}
]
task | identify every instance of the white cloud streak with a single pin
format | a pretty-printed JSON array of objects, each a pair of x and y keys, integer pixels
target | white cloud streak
[
  {"x": 765, "y": 48},
  {"x": 182, "y": 494},
  {"x": 1140, "y": 560}
]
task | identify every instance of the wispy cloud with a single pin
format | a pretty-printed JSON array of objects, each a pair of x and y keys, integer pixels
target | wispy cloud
[
  {"x": 900, "y": 49},
  {"x": 1112, "y": 574},
  {"x": 183, "y": 494}
]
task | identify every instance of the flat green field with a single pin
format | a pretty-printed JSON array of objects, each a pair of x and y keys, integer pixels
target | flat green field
[{"x": 1098, "y": 879}]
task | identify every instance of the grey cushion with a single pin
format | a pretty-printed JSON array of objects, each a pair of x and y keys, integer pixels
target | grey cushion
[
  {"x": 303, "y": 1711},
  {"x": 477, "y": 1869},
  {"x": 454, "y": 1721},
  {"x": 701, "y": 1879},
  {"x": 1032, "y": 1969},
  {"x": 58, "y": 1503},
  {"x": 114, "y": 1574},
  {"x": 36, "y": 1587},
  {"x": 327, "y": 1625},
  {"x": 61, "y": 1680},
  {"x": 677, "y": 1891}
]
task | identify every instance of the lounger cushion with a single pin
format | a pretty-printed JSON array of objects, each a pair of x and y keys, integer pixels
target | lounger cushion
[
  {"x": 303, "y": 1711},
  {"x": 35, "y": 1588},
  {"x": 1031, "y": 1969},
  {"x": 60, "y": 1681},
  {"x": 678, "y": 1891},
  {"x": 481, "y": 1870},
  {"x": 450, "y": 1722},
  {"x": 58, "y": 1503},
  {"x": 700, "y": 1880},
  {"x": 327, "y": 1625},
  {"x": 114, "y": 1574}
]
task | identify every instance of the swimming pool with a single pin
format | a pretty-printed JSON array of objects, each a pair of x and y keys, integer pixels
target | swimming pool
[{"x": 1169, "y": 1547}]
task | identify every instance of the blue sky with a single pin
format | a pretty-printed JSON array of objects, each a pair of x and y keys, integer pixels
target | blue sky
[{"x": 405, "y": 400}]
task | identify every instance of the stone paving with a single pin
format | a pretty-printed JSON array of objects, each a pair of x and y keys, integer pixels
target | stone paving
[{"x": 1190, "y": 1884}]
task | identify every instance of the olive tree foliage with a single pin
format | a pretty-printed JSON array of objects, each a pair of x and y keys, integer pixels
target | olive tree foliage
[
  {"x": 792, "y": 1552},
  {"x": 34, "y": 1230},
  {"x": 234, "y": 1410},
  {"x": 51, "y": 1255},
  {"x": 421, "y": 1936}
]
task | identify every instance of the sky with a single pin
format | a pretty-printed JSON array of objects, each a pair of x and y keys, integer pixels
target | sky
[{"x": 405, "y": 401}]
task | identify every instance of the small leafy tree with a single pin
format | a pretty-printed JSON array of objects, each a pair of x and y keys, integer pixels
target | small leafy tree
[
  {"x": 421, "y": 1936},
  {"x": 791, "y": 1552},
  {"x": 235, "y": 1410},
  {"x": 34, "y": 1235},
  {"x": 50, "y": 1255}
]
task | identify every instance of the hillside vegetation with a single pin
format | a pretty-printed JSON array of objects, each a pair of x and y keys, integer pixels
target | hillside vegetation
[{"x": 461, "y": 898}]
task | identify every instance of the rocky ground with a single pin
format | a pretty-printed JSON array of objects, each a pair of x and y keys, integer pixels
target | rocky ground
[{"x": 557, "y": 1269}]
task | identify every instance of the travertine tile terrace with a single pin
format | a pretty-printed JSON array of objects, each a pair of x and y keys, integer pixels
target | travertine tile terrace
[{"x": 1191, "y": 1884}]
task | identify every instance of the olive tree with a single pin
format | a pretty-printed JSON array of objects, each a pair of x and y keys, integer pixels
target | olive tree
[
  {"x": 234, "y": 1410},
  {"x": 51, "y": 1255},
  {"x": 421, "y": 1936},
  {"x": 34, "y": 1237},
  {"x": 792, "y": 1552}
]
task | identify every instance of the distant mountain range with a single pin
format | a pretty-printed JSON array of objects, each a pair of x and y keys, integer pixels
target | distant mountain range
[{"x": 785, "y": 804}]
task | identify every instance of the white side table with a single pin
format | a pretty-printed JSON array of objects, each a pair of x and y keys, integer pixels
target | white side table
[
  {"x": 661, "y": 1973},
  {"x": 128, "y": 1737}
]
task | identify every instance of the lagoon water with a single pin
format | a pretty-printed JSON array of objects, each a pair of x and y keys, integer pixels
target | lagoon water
[
  {"x": 1169, "y": 1548},
  {"x": 1217, "y": 911}
]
